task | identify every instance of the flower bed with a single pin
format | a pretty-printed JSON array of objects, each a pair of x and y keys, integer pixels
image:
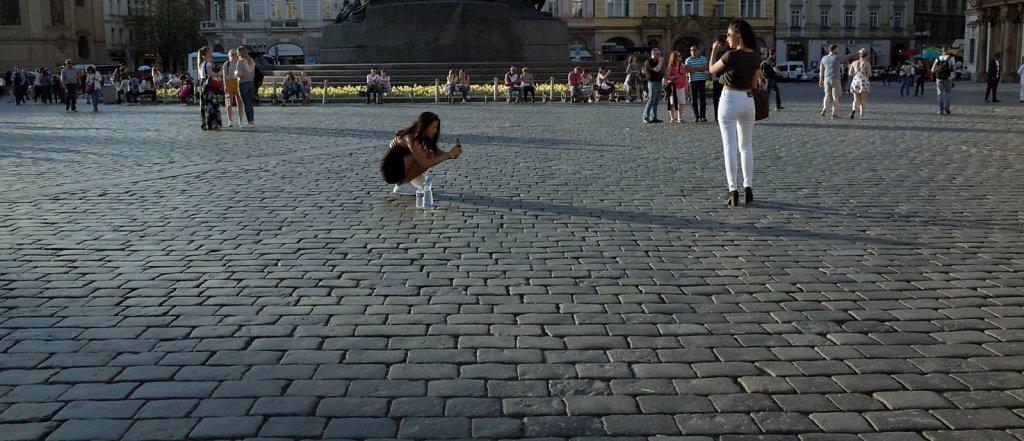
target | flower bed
[{"x": 414, "y": 91}]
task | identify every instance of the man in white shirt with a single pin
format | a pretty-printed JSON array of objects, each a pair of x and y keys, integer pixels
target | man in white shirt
[
  {"x": 69, "y": 79},
  {"x": 372, "y": 86}
]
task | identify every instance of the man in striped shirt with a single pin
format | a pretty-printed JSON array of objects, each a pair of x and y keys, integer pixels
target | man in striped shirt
[{"x": 697, "y": 67}]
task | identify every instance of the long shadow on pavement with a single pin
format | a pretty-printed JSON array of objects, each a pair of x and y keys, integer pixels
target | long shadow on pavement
[{"x": 662, "y": 220}]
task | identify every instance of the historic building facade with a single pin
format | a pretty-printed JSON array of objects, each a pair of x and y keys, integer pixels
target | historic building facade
[
  {"x": 611, "y": 29},
  {"x": 938, "y": 22},
  {"x": 806, "y": 28},
  {"x": 37, "y": 33},
  {"x": 285, "y": 30},
  {"x": 994, "y": 27}
]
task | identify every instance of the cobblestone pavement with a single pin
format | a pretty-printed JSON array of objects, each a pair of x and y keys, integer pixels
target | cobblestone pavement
[{"x": 581, "y": 277}]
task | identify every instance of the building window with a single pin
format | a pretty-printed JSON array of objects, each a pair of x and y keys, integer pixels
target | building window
[
  {"x": 795, "y": 20},
  {"x": 936, "y": 5},
  {"x": 284, "y": 9},
  {"x": 242, "y": 10},
  {"x": 57, "y": 12},
  {"x": 618, "y": 8},
  {"x": 80, "y": 3},
  {"x": 576, "y": 8},
  {"x": 719, "y": 8},
  {"x": 552, "y": 8},
  {"x": 83, "y": 47},
  {"x": 826, "y": 18},
  {"x": 850, "y": 19},
  {"x": 750, "y": 8},
  {"x": 328, "y": 9},
  {"x": 687, "y": 7},
  {"x": 652, "y": 9},
  {"x": 897, "y": 18},
  {"x": 10, "y": 13},
  {"x": 951, "y": 6},
  {"x": 873, "y": 18}
]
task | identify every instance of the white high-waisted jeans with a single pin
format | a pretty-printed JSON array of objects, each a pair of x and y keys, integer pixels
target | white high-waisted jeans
[{"x": 736, "y": 121}]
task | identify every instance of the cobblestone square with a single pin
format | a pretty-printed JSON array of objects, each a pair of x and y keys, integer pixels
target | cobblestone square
[{"x": 580, "y": 278}]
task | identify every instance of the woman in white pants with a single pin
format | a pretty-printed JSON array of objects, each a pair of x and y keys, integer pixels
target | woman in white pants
[{"x": 738, "y": 69}]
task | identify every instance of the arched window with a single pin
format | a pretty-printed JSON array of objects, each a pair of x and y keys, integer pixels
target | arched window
[{"x": 83, "y": 47}]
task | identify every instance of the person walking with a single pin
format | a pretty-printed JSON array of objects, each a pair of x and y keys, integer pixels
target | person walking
[
  {"x": 634, "y": 70},
  {"x": 829, "y": 79},
  {"x": 740, "y": 75},
  {"x": 995, "y": 73},
  {"x": 69, "y": 80},
  {"x": 654, "y": 69},
  {"x": 93, "y": 86},
  {"x": 860, "y": 86},
  {"x": 919, "y": 77},
  {"x": 1020, "y": 75},
  {"x": 943, "y": 70},
  {"x": 697, "y": 68},
  {"x": 905, "y": 75},
  {"x": 246, "y": 72},
  {"x": 675, "y": 91},
  {"x": 770, "y": 74},
  {"x": 18, "y": 82},
  {"x": 412, "y": 152}
]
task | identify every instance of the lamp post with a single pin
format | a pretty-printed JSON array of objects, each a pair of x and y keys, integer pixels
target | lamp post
[{"x": 919, "y": 36}]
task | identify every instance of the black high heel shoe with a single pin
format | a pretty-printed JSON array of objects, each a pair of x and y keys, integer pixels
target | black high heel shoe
[
  {"x": 732, "y": 198},
  {"x": 748, "y": 195},
  {"x": 851, "y": 113}
]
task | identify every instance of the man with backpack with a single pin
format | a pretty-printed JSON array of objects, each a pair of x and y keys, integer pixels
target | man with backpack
[
  {"x": 770, "y": 73},
  {"x": 943, "y": 71}
]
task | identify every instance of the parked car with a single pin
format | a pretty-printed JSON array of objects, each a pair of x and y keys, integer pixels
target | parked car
[
  {"x": 791, "y": 70},
  {"x": 811, "y": 75}
]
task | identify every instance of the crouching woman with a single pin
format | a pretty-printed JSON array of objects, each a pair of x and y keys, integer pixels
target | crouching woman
[{"x": 414, "y": 151}]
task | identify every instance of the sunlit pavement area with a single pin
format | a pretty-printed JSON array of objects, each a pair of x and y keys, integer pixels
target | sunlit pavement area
[{"x": 580, "y": 276}]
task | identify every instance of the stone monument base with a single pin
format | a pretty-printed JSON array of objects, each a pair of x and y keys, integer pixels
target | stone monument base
[{"x": 445, "y": 31}]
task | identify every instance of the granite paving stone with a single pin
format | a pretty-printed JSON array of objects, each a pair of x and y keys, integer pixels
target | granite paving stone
[
  {"x": 226, "y": 427},
  {"x": 265, "y": 284}
]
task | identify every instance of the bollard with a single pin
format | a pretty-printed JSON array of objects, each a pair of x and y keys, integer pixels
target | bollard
[
  {"x": 551, "y": 95},
  {"x": 324, "y": 101},
  {"x": 495, "y": 89},
  {"x": 437, "y": 91}
]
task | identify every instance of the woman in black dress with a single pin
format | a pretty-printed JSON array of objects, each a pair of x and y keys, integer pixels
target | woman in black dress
[
  {"x": 413, "y": 151},
  {"x": 209, "y": 101}
]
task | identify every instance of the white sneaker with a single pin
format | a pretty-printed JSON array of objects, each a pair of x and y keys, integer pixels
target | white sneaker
[
  {"x": 229, "y": 124},
  {"x": 404, "y": 190}
]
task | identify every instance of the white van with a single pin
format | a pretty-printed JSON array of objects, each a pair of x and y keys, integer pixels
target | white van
[
  {"x": 791, "y": 70},
  {"x": 193, "y": 62}
]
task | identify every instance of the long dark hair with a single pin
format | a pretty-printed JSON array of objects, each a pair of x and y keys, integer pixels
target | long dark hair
[
  {"x": 419, "y": 127},
  {"x": 746, "y": 33}
]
